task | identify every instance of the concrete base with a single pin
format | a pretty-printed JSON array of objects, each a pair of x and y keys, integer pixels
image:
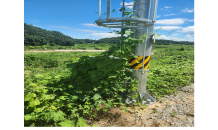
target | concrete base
[{"x": 148, "y": 99}]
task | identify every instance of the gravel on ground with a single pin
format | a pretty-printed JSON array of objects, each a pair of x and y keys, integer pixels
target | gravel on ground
[{"x": 176, "y": 110}]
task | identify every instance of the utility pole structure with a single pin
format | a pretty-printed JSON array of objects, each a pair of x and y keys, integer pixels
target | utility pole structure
[{"x": 144, "y": 17}]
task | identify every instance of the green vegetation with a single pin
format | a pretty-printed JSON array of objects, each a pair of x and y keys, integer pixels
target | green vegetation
[
  {"x": 61, "y": 89},
  {"x": 47, "y": 82},
  {"x": 85, "y": 46},
  {"x": 35, "y": 36}
]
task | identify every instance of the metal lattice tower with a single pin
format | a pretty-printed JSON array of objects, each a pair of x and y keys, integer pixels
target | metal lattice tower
[{"x": 144, "y": 16}]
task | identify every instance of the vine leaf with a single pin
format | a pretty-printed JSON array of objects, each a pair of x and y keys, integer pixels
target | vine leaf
[
  {"x": 128, "y": 32},
  {"x": 29, "y": 117},
  {"x": 57, "y": 116},
  {"x": 81, "y": 123},
  {"x": 67, "y": 123},
  {"x": 96, "y": 96},
  {"x": 34, "y": 103}
]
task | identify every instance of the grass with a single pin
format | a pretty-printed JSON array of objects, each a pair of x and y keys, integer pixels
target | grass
[{"x": 85, "y": 46}]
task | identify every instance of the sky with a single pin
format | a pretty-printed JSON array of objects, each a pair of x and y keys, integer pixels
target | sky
[{"x": 76, "y": 18}]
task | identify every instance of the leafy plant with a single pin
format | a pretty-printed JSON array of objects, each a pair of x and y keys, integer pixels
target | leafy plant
[
  {"x": 173, "y": 114},
  {"x": 154, "y": 111}
]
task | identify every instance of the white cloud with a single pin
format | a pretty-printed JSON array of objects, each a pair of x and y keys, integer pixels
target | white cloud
[
  {"x": 167, "y": 7},
  {"x": 129, "y": 5},
  {"x": 104, "y": 35},
  {"x": 186, "y": 10},
  {"x": 168, "y": 27},
  {"x": 175, "y": 21},
  {"x": 189, "y": 36},
  {"x": 189, "y": 30},
  {"x": 61, "y": 27},
  {"x": 82, "y": 30},
  {"x": 170, "y": 14},
  {"x": 92, "y": 25},
  {"x": 89, "y": 25},
  {"x": 191, "y": 39},
  {"x": 175, "y": 35},
  {"x": 158, "y": 16}
]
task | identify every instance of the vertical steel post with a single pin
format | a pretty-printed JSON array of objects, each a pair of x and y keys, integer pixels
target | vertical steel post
[
  {"x": 108, "y": 8},
  {"x": 123, "y": 8},
  {"x": 99, "y": 9},
  {"x": 122, "y": 22}
]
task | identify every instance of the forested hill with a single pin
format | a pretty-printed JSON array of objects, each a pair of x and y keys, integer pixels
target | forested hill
[{"x": 36, "y": 36}]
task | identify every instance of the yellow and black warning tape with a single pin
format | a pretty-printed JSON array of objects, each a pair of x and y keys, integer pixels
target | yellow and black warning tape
[{"x": 133, "y": 65}]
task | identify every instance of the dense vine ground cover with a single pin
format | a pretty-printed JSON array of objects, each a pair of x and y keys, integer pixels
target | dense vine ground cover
[
  {"x": 84, "y": 46},
  {"x": 51, "y": 97}
]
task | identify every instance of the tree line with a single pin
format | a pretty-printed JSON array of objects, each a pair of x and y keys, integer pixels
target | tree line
[{"x": 35, "y": 36}]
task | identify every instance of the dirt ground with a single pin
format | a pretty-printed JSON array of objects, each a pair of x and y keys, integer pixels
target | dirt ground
[{"x": 159, "y": 114}]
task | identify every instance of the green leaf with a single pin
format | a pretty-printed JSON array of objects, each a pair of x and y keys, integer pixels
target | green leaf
[
  {"x": 96, "y": 96},
  {"x": 105, "y": 110},
  {"x": 124, "y": 108},
  {"x": 29, "y": 96},
  {"x": 62, "y": 97},
  {"x": 99, "y": 64},
  {"x": 32, "y": 125},
  {"x": 47, "y": 97},
  {"x": 67, "y": 123},
  {"x": 39, "y": 75},
  {"x": 122, "y": 89},
  {"x": 128, "y": 32},
  {"x": 81, "y": 123},
  {"x": 135, "y": 57},
  {"x": 95, "y": 89},
  {"x": 112, "y": 76},
  {"x": 34, "y": 103},
  {"x": 57, "y": 116},
  {"x": 143, "y": 36},
  {"x": 29, "y": 117},
  {"x": 94, "y": 125}
]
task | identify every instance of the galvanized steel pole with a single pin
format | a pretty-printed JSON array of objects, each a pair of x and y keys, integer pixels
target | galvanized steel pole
[
  {"x": 108, "y": 8},
  {"x": 144, "y": 9},
  {"x": 99, "y": 9}
]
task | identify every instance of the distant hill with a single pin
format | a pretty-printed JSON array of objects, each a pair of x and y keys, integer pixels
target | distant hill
[
  {"x": 170, "y": 42},
  {"x": 36, "y": 36}
]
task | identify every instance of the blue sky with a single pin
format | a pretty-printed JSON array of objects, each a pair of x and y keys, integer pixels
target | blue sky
[{"x": 76, "y": 18}]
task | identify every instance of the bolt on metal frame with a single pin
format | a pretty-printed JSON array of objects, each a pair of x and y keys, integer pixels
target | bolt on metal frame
[{"x": 144, "y": 16}]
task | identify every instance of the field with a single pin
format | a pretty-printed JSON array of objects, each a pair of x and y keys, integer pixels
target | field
[
  {"x": 47, "y": 81},
  {"x": 85, "y": 46}
]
